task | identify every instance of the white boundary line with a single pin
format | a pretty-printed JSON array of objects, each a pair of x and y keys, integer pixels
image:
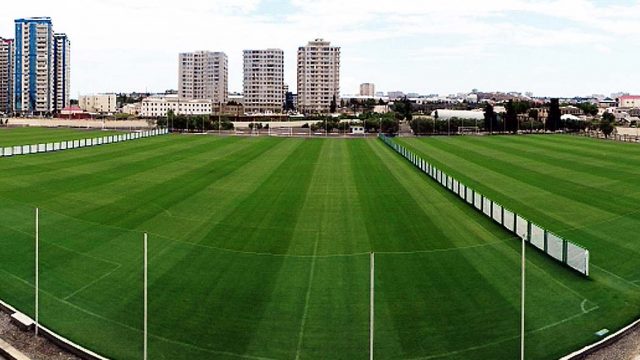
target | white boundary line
[
  {"x": 64, "y": 341},
  {"x": 595, "y": 346}
]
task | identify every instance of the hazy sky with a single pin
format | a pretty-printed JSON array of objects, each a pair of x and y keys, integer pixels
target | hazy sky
[{"x": 561, "y": 48}]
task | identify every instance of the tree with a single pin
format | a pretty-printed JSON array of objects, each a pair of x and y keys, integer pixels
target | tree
[
  {"x": 334, "y": 105},
  {"x": 403, "y": 109},
  {"x": 421, "y": 126},
  {"x": 589, "y": 109},
  {"x": 553, "y": 121},
  {"x": 511, "y": 118},
  {"x": 490, "y": 118},
  {"x": 170, "y": 117},
  {"x": 607, "y": 124},
  {"x": 369, "y": 105}
]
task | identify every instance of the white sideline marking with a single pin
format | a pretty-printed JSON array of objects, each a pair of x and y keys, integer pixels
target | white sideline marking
[
  {"x": 612, "y": 336},
  {"x": 472, "y": 348},
  {"x": 616, "y": 276},
  {"x": 307, "y": 300},
  {"x": 90, "y": 284},
  {"x": 64, "y": 247},
  {"x": 177, "y": 342}
]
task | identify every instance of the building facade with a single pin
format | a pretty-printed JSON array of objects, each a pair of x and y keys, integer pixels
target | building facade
[
  {"x": 6, "y": 76},
  {"x": 318, "y": 76},
  {"x": 34, "y": 70},
  {"x": 263, "y": 83},
  {"x": 203, "y": 75},
  {"x": 42, "y": 68},
  {"x": 629, "y": 101},
  {"x": 62, "y": 72},
  {"x": 367, "y": 89},
  {"x": 100, "y": 103},
  {"x": 159, "y": 106}
]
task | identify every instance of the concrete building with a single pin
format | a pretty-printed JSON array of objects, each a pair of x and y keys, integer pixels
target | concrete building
[
  {"x": 34, "y": 66},
  {"x": 445, "y": 114},
  {"x": 318, "y": 76},
  {"x": 159, "y": 106},
  {"x": 263, "y": 84},
  {"x": 100, "y": 103},
  {"x": 367, "y": 89},
  {"x": 6, "y": 75},
  {"x": 132, "y": 109},
  {"x": 394, "y": 95},
  {"x": 62, "y": 74},
  {"x": 203, "y": 75},
  {"x": 629, "y": 101}
]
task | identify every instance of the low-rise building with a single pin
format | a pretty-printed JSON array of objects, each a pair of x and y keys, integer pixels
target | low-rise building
[
  {"x": 159, "y": 106},
  {"x": 629, "y": 101},
  {"x": 100, "y": 103},
  {"x": 132, "y": 109}
]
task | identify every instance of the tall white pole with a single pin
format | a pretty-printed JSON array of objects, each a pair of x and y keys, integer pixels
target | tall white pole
[
  {"x": 145, "y": 298},
  {"x": 37, "y": 270},
  {"x": 522, "y": 303},
  {"x": 371, "y": 305}
]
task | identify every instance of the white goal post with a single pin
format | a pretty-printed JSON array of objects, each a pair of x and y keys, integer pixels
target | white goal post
[{"x": 462, "y": 130}]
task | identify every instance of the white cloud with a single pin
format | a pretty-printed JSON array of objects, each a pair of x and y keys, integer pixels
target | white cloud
[{"x": 133, "y": 45}]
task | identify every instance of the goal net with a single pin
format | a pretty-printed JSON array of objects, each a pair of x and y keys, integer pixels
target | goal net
[{"x": 468, "y": 130}]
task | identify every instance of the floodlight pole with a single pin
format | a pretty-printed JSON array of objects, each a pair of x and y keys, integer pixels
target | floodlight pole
[
  {"x": 37, "y": 270},
  {"x": 371, "y": 305},
  {"x": 522, "y": 302},
  {"x": 145, "y": 248}
]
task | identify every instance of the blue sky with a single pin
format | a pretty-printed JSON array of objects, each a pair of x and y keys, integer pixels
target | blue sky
[{"x": 549, "y": 47}]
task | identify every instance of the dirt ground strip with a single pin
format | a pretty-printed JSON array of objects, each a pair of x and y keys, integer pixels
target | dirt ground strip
[
  {"x": 626, "y": 348},
  {"x": 25, "y": 342}
]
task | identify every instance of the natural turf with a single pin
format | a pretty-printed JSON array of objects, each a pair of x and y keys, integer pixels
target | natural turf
[
  {"x": 259, "y": 248},
  {"x": 29, "y": 135}
]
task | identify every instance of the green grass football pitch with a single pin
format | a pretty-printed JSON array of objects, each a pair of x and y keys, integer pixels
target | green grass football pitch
[
  {"x": 34, "y": 135},
  {"x": 259, "y": 249}
]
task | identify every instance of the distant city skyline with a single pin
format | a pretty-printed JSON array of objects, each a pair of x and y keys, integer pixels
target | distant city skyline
[{"x": 549, "y": 47}]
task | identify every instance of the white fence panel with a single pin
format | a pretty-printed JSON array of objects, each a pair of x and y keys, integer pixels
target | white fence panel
[
  {"x": 477, "y": 201},
  {"x": 555, "y": 246},
  {"x": 470, "y": 196},
  {"x": 578, "y": 258},
  {"x": 486, "y": 206},
  {"x": 497, "y": 213},
  {"x": 17, "y": 150},
  {"x": 522, "y": 227},
  {"x": 26, "y": 149},
  {"x": 49, "y": 147},
  {"x": 449, "y": 183},
  {"x": 42, "y": 147},
  {"x": 509, "y": 220},
  {"x": 537, "y": 236},
  {"x": 56, "y": 146},
  {"x": 8, "y": 151},
  {"x": 462, "y": 191}
]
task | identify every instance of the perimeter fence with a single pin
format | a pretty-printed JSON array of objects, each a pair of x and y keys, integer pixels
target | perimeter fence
[
  {"x": 76, "y": 144},
  {"x": 574, "y": 256}
]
